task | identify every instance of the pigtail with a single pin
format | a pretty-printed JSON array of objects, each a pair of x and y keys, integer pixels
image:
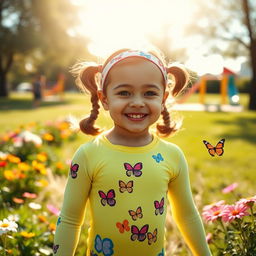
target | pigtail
[
  {"x": 86, "y": 80},
  {"x": 169, "y": 126}
]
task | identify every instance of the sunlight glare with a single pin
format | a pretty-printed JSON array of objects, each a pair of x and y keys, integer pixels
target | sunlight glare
[{"x": 117, "y": 24}]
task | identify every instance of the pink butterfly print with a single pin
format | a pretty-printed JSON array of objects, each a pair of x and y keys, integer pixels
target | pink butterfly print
[
  {"x": 107, "y": 199},
  {"x": 141, "y": 234},
  {"x": 73, "y": 170},
  {"x": 135, "y": 170},
  {"x": 55, "y": 248},
  {"x": 159, "y": 206}
]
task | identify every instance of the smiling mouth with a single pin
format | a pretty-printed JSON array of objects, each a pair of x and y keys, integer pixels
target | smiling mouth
[{"x": 136, "y": 116}]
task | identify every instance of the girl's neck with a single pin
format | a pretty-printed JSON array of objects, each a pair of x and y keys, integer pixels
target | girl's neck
[{"x": 130, "y": 140}]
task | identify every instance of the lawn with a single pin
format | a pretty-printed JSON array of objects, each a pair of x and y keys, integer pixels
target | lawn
[{"x": 209, "y": 175}]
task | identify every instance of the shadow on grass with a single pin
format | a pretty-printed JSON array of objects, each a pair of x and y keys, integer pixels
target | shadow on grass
[
  {"x": 26, "y": 104},
  {"x": 242, "y": 128}
]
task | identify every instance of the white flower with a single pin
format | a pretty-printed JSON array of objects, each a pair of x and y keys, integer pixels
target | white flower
[
  {"x": 14, "y": 217},
  {"x": 29, "y": 136},
  {"x": 7, "y": 225},
  {"x": 35, "y": 206},
  {"x": 45, "y": 251}
]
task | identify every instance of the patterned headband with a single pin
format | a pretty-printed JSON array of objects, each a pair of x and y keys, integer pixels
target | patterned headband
[{"x": 128, "y": 54}]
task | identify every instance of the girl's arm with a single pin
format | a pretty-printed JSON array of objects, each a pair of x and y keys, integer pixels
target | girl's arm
[
  {"x": 185, "y": 213},
  {"x": 72, "y": 213}
]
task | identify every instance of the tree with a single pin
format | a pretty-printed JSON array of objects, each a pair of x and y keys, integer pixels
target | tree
[
  {"x": 233, "y": 22},
  {"x": 34, "y": 28}
]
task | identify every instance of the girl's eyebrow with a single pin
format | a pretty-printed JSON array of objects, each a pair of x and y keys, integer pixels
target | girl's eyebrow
[{"x": 153, "y": 86}]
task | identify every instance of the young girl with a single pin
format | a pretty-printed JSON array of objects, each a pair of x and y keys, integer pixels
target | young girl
[{"x": 127, "y": 173}]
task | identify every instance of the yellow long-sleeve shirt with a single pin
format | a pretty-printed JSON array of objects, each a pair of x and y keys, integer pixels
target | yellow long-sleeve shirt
[{"x": 127, "y": 189}]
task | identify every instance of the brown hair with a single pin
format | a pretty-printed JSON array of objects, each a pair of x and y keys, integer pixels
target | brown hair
[
  {"x": 87, "y": 81},
  {"x": 180, "y": 76}
]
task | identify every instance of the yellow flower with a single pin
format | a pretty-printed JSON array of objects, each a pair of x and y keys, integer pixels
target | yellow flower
[
  {"x": 42, "y": 218},
  {"x": 48, "y": 137},
  {"x": 42, "y": 157},
  {"x": 42, "y": 183},
  {"x": 27, "y": 234},
  {"x": 65, "y": 134},
  {"x": 39, "y": 167},
  {"x": 13, "y": 159},
  {"x": 9, "y": 175},
  {"x": 23, "y": 166},
  {"x": 63, "y": 125},
  {"x": 52, "y": 226},
  {"x": 59, "y": 165}
]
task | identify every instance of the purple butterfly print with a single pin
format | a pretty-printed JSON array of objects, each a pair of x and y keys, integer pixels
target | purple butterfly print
[
  {"x": 73, "y": 170},
  {"x": 55, "y": 248},
  {"x": 159, "y": 206},
  {"x": 139, "y": 234},
  {"x": 133, "y": 170},
  {"x": 108, "y": 198}
]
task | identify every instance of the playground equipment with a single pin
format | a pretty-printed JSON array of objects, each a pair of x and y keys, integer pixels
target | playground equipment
[
  {"x": 228, "y": 89},
  {"x": 57, "y": 89}
]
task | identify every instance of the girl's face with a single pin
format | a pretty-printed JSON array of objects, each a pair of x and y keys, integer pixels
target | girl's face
[{"x": 134, "y": 95}]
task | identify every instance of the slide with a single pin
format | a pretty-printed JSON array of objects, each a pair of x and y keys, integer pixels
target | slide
[{"x": 232, "y": 91}]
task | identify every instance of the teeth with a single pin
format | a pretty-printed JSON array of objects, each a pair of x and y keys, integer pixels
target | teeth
[{"x": 136, "y": 115}]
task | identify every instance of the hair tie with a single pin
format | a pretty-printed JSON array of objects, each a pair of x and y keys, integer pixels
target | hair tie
[{"x": 128, "y": 54}]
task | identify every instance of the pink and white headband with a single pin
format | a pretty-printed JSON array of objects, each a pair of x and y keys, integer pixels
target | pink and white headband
[{"x": 128, "y": 54}]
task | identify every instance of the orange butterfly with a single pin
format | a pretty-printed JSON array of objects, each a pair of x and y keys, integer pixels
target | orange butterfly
[
  {"x": 218, "y": 149},
  {"x": 152, "y": 237},
  {"x": 136, "y": 214},
  {"x": 123, "y": 226},
  {"x": 125, "y": 187}
]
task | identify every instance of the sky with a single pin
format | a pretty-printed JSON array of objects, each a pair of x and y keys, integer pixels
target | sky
[{"x": 114, "y": 24}]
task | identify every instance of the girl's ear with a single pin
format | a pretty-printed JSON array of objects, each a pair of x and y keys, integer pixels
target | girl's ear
[
  {"x": 166, "y": 94},
  {"x": 103, "y": 99}
]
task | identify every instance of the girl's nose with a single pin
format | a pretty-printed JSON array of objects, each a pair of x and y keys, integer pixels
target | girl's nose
[{"x": 137, "y": 102}]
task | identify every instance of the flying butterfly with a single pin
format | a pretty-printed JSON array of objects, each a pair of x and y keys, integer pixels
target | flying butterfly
[{"x": 218, "y": 149}]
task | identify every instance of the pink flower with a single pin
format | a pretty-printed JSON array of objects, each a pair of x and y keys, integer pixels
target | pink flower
[
  {"x": 229, "y": 188},
  {"x": 53, "y": 209},
  {"x": 214, "y": 211},
  {"x": 249, "y": 202},
  {"x": 209, "y": 238},
  {"x": 29, "y": 195},
  {"x": 231, "y": 212}
]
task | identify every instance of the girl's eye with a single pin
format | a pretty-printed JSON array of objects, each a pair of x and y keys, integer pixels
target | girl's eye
[
  {"x": 123, "y": 93},
  {"x": 150, "y": 93}
]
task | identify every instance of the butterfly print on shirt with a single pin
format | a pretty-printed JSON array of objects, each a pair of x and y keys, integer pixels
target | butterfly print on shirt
[
  {"x": 152, "y": 237},
  {"x": 104, "y": 246},
  {"x": 158, "y": 158},
  {"x": 108, "y": 198},
  {"x": 124, "y": 226},
  {"x": 136, "y": 214},
  {"x": 73, "y": 170},
  {"x": 159, "y": 206},
  {"x": 133, "y": 170},
  {"x": 55, "y": 248},
  {"x": 125, "y": 186},
  {"x": 139, "y": 234}
]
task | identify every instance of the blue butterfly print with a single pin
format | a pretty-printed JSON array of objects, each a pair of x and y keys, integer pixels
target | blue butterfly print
[
  {"x": 58, "y": 221},
  {"x": 158, "y": 157},
  {"x": 104, "y": 246},
  {"x": 161, "y": 253},
  {"x": 148, "y": 56}
]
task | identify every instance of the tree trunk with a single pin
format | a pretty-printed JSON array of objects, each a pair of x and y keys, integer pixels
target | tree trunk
[{"x": 3, "y": 85}]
